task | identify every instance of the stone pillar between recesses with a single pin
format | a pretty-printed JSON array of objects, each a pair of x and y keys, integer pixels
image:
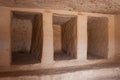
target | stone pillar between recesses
[
  {"x": 48, "y": 50},
  {"x": 111, "y": 32},
  {"x": 5, "y": 37},
  {"x": 81, "y": 37}
]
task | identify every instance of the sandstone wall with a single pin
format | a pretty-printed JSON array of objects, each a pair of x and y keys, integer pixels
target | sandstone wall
[
  {"x": 98, "y": 36},
  {"x": 57, "y": 38},
  {"x": 21, "y": 32},
  {"x": 69, "y": 37},
  {"x": 101, "y": 73},
  {"x": 117, "y": 35},
  {"x": 5, "y": 57},
  {"x": 37, "y": 37}
]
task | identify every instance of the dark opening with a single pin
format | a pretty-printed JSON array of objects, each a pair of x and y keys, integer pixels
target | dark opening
[
  {"x": 65, "y": 36},
  {"x": 26, "y": 38},
  {"x": 97, "y": 38}
]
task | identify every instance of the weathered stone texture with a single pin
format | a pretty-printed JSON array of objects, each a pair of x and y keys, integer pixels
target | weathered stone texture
[
  {"x": 69, "y": 37},
  {"x": 37, "y": 37},
  {"x": 57, "y": 38},
  {"x": 5, "y": 38},
  {"x": 102, "y": 6},
  {"x": 98, "y": 36},
  {"x": 21, "y": 32}
]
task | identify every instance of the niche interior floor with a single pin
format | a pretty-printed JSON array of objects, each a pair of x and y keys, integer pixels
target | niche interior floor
[
  {"x": 21, "y": 58},
  {"x": 61, "y": 55},
  {"x": 93, "y": 57}
]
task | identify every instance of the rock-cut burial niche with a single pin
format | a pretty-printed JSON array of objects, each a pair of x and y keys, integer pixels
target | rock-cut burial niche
[
  {"x": 65, "y": 37},
  {"x": 26, "y": 38},
  {"x": 97, "y": 38}
]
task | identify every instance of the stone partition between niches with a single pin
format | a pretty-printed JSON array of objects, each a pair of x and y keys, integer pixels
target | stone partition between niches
[
  {"x": 5, "y": 54},
  {"x": 97, "y": 37}
]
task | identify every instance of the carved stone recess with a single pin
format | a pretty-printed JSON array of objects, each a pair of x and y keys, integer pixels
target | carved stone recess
[{"x": 80, "y": 37}]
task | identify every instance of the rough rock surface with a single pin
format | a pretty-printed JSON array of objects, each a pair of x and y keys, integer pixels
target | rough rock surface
[
  {"x": 98, "y": 36},
  {"x": 100, "y": 6}
]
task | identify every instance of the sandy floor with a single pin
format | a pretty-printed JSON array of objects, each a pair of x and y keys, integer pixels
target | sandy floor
[{"x": 60, "y": 70}]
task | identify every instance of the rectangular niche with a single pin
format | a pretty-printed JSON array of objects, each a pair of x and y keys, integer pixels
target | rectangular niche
[
  {"x": 26, "y": 38},
  {"x": 97, "y": 38},
  {"x": 65, "y": 37}
]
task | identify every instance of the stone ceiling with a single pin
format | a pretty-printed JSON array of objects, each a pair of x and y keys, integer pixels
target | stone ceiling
[{"x": 99, "y": 6}]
